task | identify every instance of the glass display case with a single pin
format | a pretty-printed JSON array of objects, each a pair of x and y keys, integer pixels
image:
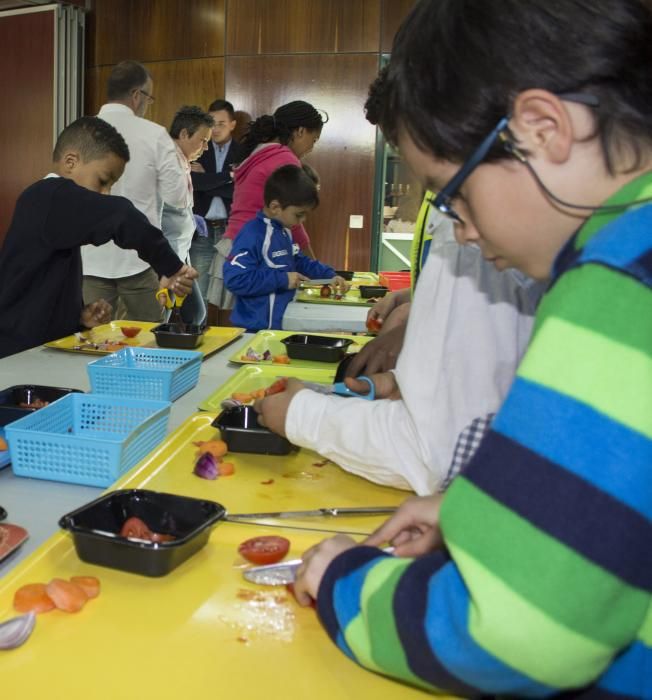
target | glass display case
[{"x": 397, "y": 199}]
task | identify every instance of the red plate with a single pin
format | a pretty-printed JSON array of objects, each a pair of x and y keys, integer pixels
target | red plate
[{"x": 11, "y": 537}]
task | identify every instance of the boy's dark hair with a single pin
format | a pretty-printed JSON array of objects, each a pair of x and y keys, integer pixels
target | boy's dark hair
[
  {"x": 219, "y": 105},
  {"x": 311, "y": 173},
  {"x": 456, "y": 66},
  {"x": 282, "y": 123},
  {"x": 190, "y": 119},
  {"x": 93, "y": 138},
  {"x": 290, "y": 186},
  {"x": 126, "y": 77}
]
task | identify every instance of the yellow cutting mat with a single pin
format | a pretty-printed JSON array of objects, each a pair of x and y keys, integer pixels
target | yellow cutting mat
[
  {"x": 253, "y": 377},
  {"x": 312, "y": 295},
  {"x": 271, "y": 340},
  {"x": 215, "y": 338},
  {"x": 202, "y": 627}
]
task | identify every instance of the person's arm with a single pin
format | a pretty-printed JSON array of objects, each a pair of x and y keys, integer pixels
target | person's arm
[
  {"x": 172, "y": 180},
  {"x": 215, "y": 184},
  {"x": 245, "y": 272},
  {"x": 548, "y": 529},
  {"x": 95, "y": 219},
  {"x": 313, "y": 269}
]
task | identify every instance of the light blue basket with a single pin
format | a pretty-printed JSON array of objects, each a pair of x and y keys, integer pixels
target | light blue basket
[
  {"x": 86, "y": 438},
  {"x": 146, "y": 373}
]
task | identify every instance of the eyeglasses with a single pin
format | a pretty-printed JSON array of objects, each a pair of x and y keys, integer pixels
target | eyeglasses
[
  {"x": 443, "y": 200},
  {"x": 150, "y": 98}
]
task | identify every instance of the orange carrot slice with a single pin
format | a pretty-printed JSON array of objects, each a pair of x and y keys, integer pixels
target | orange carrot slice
[
  {"x": 67, "y": 596},
  {"x": 225, "y": 469},
  {"x": 89, "y": 584},
  {"x": 217, "y": 448},
  {"x": 3, "y": 445},
  {"x": 33, "y": 598}
]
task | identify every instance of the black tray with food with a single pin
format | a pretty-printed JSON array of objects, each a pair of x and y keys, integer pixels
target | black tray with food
[
  {"x": 178, "y": 335},
  {"x": 369, "y": 291},
  {"x": 242, "y": 433},
  {"x": 318, "y": 348},
  {"x": 162, "y": 530},
  {"x": 22, "y": 399},
  {"x": 345, "y": 274}
]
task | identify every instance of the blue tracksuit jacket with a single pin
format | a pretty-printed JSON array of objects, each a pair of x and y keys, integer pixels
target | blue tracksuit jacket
[{"x": 256, "y": 273}]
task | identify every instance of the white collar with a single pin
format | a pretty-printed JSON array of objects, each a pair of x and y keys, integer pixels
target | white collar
[
  {"x": 116, "y": 107},
  {"x": 51, "y": 175}
]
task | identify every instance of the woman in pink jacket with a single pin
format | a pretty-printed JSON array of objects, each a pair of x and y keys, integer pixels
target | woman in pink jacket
[{"x": 272, "y": 141}]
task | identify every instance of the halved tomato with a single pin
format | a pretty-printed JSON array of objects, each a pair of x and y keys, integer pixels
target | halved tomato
[
  {"x": 130, "y": 331},
  {"x": 135, "y": 527},
  {"x": 11, "y": 537},
  {"x": 267, "y": 549},
  {"x": 374, "y": 325}
]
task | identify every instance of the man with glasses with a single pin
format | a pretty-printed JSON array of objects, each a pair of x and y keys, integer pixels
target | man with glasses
[{"x": 151, "y": 177}]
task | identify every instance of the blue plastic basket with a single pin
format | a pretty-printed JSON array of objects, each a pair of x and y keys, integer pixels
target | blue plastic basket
[
  {"x": 86, "y": 438},
  {"x": 146, "y": 373}
]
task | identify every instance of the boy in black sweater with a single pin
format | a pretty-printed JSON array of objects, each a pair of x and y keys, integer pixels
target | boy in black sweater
[{"x": 40, "y": 262}]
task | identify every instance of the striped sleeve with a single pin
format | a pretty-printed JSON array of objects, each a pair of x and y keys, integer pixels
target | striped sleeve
[{"x": 549, "y": 531}]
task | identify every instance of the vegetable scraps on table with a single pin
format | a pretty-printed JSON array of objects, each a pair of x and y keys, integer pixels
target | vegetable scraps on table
[{"x": 209, "y": 464}]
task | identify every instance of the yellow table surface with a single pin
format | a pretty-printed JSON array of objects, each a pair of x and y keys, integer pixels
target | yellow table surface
[
  {"x": 215, "y": 338},
  {"x": 202, "y": 630}
]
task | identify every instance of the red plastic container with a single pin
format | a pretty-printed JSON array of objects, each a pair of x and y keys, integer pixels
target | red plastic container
[{"x": 395, "y": 280}]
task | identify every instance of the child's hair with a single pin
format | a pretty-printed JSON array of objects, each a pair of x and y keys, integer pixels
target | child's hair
[
  {"x": 124, "y": 78},
  {"x": 219, "y": 105},
  {"x": 290, "y": 186},
  {"x": 456, "y": 66},
  {"x": 282, "y": 123},
  {"x": 93, "y": 138},
  {"x": 190, "y": 119},
  {"x": 312, "y": 174}
]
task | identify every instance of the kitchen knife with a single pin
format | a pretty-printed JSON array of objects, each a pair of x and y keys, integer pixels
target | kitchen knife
[{"x": 316, "y": 513}]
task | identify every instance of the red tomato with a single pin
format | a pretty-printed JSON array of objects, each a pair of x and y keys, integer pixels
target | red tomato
[
  {"x": 325, "y": 291},
  {"x": 374, "y": 325},
  {"x": 11, "y": 537},
  {"x": 267, "y": 549},
  {"x": 135, "y": 527},
  {"x": 130, "y": 331},
  {"x": 279, "y": 386}
]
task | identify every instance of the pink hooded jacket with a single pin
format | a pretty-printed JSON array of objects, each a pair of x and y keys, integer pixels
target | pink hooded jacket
[{"x": 250, "y": 177}]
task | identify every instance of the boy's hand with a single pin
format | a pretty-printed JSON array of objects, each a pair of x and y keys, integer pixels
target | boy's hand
[
  {"x": 272, "y": 410},
  {"x": 384, "y": 383},
  {"x": 96, "y": 314},
  {"x": 413, "y": 530},
  {"x": 341, "y": 285},
  {"x": 315, "y": 563},
  {"x": 180, "y": 282},
  {"x": 295, "y": 279}
]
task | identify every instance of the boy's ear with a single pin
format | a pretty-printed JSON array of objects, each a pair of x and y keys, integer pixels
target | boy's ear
[
  {"x": 69, "y": 161},
  {"x": 275, "y": 206},
  {"x": 542, "y": 125}
]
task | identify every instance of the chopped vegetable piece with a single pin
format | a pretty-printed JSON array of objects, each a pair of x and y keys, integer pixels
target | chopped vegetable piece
[
  {"x": 374, "y": 325},
  {"x": 279, "y": 386},
  {"x": 130, "y": 331},
  {"x": 89, "y": 584},
  {"x": 267, "y": 482},
  {"x": 33, "y": 597},
  {"x": 67, "y": 596},
  {"x": 267, "y": 549},
  {"x": 281, "y": 359},
  {"x": 16, "y": 631},
  {"x": 216, "y": 448},
  {"x": 11, "y": 537},
  {"x": 206, "y": 467},
  {"x": 3, "y": 445},
  {"x": 135, "y": 527},
  {"x": 225, "y": 469},
  {"x": 241, "y": 396},
  {"x": 325, "y": 291}
]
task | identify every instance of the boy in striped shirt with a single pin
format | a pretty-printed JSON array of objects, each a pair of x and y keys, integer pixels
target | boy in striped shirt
[{"x": 532, "y": 576}]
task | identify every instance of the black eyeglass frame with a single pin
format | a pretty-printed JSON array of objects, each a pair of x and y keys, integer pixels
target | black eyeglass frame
[{"x": 444, "y": 198}]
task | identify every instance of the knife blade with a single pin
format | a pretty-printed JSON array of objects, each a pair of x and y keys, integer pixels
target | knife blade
[{"x": 315, "y": 513}]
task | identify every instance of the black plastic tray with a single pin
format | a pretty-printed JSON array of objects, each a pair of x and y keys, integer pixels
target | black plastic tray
[
  {"x": 318, "y": 348},
  {"x": 173, "y": 335},
  {"x": 345, "y": 274},
  {"x": 242, "y": 433},
  {"x": 189, "y": 520},
  {"x": 368, "y": 291},
  {"x": 11, "y": 397}
]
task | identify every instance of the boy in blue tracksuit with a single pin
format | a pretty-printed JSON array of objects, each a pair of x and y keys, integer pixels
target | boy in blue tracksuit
[{"x": 265, "y": 265}]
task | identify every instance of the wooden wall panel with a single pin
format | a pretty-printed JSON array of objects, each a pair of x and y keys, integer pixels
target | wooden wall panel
[
  {"x": 393, "y": 13},
  {"x": 344, "y": 156},
  {"x": 302, "y": 26},
  {"x": 155, "y": 30},
  {"x": 176, "y": 83},
  {"x": 27, "y": 60}
]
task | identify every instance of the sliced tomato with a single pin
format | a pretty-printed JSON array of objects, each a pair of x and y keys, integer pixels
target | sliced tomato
[
  {"x": 135, "y": 527},
  {"x": 267, "y": 549},
  {"x": 374, "y": 325},
  {"x": 11, "y": 537},
  {"x": 130, "y": 331},
  {"x": 278, "y": 387}
]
